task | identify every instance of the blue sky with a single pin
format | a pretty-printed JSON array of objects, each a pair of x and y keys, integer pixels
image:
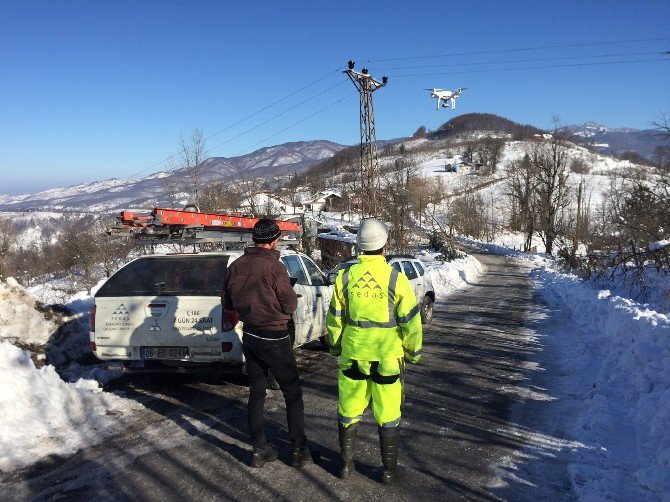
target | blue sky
[{"x": 91, "y": 90}]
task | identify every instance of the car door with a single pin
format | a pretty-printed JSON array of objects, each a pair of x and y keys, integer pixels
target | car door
[
  {"x": 322, "y": 293},
  {"x": 304, "y": 313},
  {"x": 414, "y": 279},
  {"x": 424, "y": 277}
]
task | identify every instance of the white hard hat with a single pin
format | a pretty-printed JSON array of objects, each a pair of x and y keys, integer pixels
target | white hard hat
[{"x": 372, "y": 235}]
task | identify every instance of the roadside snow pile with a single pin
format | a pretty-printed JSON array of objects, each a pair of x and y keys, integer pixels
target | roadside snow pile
[
  {"x": 56, "y": 335},
  {"x": 21, "y": 317},
  {"x": 41, "y": 415},
  {"x": 627, "y": 413},
  {"x": 451, "y": 275},
  {"x": 54, "y": 292},
  {"x": 648, "y": 284}
]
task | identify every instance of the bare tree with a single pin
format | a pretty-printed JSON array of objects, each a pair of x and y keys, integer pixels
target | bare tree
[
  {"x": 7, "y": 236},
  {"x": 550, "y": 161},
  {"x": 489, "y": 150},
  {"x": 217, "y": 197},
  {"x": 110, "y": 252},
  {"x": 189, "y": 159},
  {"x": 523, "y": 193},
  {"x": 398, "y": 202},
  {"x": 662, "y": 125},
  {"x": 247, "y": 186}
]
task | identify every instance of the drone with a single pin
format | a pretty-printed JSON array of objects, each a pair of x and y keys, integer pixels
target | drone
[{"x": 446, "y": 96}]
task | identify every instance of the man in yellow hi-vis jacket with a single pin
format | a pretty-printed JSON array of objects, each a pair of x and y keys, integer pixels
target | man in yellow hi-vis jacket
[{"x": 374, "y": 325}]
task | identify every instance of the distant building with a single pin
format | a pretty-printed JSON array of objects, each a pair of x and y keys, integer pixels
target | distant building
[
  {"x": 336, "y": 246},
  {"x": 267, "y": 204},
  {"x": 325, "y": 201}
]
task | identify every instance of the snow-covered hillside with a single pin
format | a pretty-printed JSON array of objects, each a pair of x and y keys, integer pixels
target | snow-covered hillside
[{"x": 150, "y": 190}]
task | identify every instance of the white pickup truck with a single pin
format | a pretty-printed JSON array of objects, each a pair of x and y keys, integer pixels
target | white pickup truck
[{"x": 163, "y": 312}]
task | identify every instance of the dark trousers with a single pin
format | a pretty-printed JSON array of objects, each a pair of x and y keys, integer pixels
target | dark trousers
[{"x": 274, "y": 355}]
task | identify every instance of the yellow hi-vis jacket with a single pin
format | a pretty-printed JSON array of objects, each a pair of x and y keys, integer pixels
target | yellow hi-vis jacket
[{"x": 373, "y": 314}]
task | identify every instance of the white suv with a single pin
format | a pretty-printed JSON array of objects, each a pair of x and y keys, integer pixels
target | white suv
[
  {"x": 164, "y": 311},
  {"x": 419, "y": 278}
]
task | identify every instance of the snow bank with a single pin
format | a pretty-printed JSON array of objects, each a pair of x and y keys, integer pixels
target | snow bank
[
  {"x": 41, "y": 415},
  {"x": 451, "y": 275},
  {"x": 627, "y": 410},
  {"x": 20, "y": 316}
]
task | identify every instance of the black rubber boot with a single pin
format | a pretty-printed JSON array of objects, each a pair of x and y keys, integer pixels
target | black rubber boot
[
  {"x": 347, "y": 445},
  {"x": 388, "y": 444}
]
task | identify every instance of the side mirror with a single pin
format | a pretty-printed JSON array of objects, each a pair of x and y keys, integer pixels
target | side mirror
[
  {"x": 332, "y": 277},
  {"x": 294, "y": 281}
]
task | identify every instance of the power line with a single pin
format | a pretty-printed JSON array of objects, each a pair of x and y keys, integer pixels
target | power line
[
  {"x": 499, "y": 51},
  {"x": 275, "y": 116},
  {"x": 251, "y": 148},
  {"x": 170, "y": 157},
  {"x": 518, "y": 61},
  {"x": 490, "y": 70},
  {"x": 276, "y": 102}
]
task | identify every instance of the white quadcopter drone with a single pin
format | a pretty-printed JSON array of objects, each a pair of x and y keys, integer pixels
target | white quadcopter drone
[{"x": 446, "y": 96}]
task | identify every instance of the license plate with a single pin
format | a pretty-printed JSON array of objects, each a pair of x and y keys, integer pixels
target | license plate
[{"x": 165, "y": 353}]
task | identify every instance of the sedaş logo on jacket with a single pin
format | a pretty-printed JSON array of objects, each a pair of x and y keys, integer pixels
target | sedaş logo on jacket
[{"x": 367, "y": 287}]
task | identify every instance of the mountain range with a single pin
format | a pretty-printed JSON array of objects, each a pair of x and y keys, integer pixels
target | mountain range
[
  {"x": 611, "y": 141},
  {"x": 116, "y": 194},
  {"x": 289, "y": 158}
]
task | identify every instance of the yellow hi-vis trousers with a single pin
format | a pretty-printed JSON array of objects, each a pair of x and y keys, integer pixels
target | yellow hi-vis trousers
[{"x": 359, "y": 382}]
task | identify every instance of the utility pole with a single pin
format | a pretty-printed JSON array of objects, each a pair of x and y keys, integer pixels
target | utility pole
[{"x": 371, "y": 201}]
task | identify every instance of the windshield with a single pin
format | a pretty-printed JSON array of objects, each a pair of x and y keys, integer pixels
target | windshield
[{"x": 174, "y": 276}]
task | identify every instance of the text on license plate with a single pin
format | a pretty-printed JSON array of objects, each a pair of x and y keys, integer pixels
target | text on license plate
[{"x": 165, "y": 352}]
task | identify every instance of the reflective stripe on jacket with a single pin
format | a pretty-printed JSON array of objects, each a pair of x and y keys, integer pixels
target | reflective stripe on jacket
[{"x": 373, "y": 314}]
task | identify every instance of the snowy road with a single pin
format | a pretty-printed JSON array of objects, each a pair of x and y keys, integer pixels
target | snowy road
[{"x": 465, "y": 425}]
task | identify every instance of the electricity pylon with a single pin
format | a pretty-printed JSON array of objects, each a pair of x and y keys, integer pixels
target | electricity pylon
[{"x": 371, "y": 201}]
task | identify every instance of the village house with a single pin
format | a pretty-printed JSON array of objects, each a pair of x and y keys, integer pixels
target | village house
[{"x": 325, "y": 201}]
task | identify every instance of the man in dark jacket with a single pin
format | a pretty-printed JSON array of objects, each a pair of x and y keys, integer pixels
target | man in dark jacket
[{"x": 258, "y": 288}]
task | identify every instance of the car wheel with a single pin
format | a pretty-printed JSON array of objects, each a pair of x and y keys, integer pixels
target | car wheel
[{"x": 426, "y": 310}]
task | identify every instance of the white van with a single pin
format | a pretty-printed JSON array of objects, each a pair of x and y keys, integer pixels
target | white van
[{"x": 162, "y": 312}]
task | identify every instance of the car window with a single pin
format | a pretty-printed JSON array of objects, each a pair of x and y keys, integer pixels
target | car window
[
  {"x": 419, "y": 267},
  {"x": 314, "y": 273},
  {"x": 409, "y": 270},
  {"x": 175, "y": 276},
  {"x": 295, "y": 269},
  {"x": 396, "y": 265}
]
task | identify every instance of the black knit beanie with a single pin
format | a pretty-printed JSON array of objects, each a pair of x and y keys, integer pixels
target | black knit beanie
[{"x": 265, "y": 231}]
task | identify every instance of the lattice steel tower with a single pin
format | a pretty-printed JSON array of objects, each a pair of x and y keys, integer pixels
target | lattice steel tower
[{"x": 371, "y": 201}]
